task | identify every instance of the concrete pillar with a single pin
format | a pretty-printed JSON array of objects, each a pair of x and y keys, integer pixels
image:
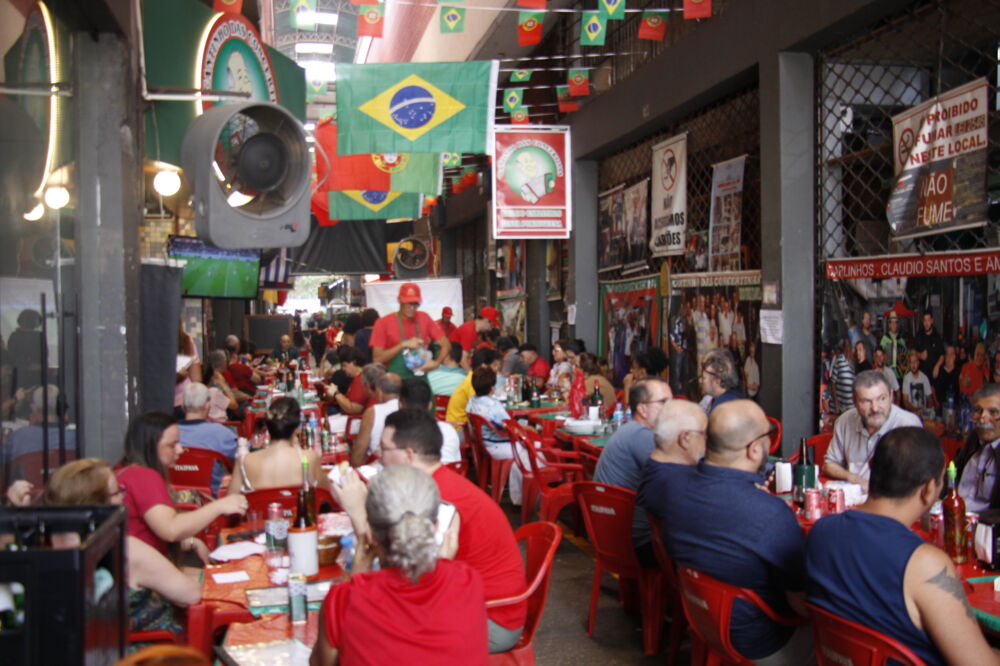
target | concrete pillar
[
  {"x": 582, "y": 287},
  {"x": 787, "y": 166},
  {"x": 109, "y": 172},
  {"x": 537, "y": 303}
]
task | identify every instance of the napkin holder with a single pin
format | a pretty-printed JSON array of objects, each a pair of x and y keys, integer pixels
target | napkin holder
[{"x": 987, "y": 539}]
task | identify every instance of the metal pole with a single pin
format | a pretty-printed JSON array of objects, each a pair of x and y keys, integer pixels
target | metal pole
[{"x": 44, "y": 377}]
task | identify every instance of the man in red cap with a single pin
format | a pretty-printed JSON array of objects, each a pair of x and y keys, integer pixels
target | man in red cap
[
  {"x": 467, "y": 334},
  {"x": 407, "y": 334},
  {"x": 445, "y": 321}
]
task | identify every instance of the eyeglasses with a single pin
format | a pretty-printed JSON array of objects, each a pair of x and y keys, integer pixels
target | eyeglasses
[
  {"x": 770, "y": 431},
  {"x": 661, "y": 401}
]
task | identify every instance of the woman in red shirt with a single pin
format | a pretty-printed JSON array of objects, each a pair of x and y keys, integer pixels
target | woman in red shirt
[
  {"x": 152, "y": 445},
  {"x": 418, "y": 609}
]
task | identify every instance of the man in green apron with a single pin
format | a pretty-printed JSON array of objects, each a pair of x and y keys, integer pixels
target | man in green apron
[{"x": 408, "y": 333}]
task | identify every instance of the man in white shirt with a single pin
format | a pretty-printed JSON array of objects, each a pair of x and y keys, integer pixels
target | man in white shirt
[
  {"x": 977, "y": 462},
  {"x": 857, "y": 431},
  {"x": 373, "y": 418}
]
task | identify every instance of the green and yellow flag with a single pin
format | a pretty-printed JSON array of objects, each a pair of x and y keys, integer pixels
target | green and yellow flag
[
  {"x": 611, "y": 9},
  {"x": 520, "y": 75},
  {"x": 451, "y": 159},
  {"x": 369, "y": 205},
  {"x": 593, "y": 29},
  {"x": 303, "y": 12},
  {"x": 416, "y": 107},
  {"x": 314, "y": 89},
  {"x": 452, "y": 20},
  {"x": 512, "y": 98}
]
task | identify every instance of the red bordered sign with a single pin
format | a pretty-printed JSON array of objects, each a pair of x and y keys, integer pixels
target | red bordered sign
[{"x": 531, "y": 182}]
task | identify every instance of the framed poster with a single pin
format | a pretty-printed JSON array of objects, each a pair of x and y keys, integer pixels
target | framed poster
[
  {"x": 610, "y": 227},
  {"x": 636, "y": 227},
  {"x": 531, "y": 182}
]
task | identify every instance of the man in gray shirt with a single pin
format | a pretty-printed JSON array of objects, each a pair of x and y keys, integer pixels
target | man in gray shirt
[
  {"x": 857, "y": 431},
  {"x": 627, "y": 451}
]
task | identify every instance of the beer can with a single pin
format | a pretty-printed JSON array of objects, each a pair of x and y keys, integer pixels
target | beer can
[
  {"x": 275, "y": 512},
  {"x": 835, "y": 500},
  {"x": 971, "y": 520},
  {"x": 814, "y": 511},
  {"x": 297, "y": 597},
  {"x": 936, "y": 523}
]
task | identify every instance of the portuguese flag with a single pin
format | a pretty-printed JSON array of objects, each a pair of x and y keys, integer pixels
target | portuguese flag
[
  {"x": 531, "y": 4},
  {"x": 579, "y": 82},
  {"x": 653, "y": 26},
  {"x": 696, "y": 9},
  {"x": 370, "y": 20},
  {"x": 520, "y": 116},
  {"x": 529, "y": 28},
  {"x": 566, "y": 104}
]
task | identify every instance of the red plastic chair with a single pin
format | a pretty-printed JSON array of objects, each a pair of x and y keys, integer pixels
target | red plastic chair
[
  {"x": 546, "y": 466},
  {"x": 30, "y": 465},
  {"x": 541, "y": 541},
  {"x": 678, "y": 622},
  {"x": 193, "y": 470},
  {"x": 837, "y": 641},
  {"x": 199, "y": 632},
  {"x": 607, "y": 514},
  {"x": 775, "y": 436},
  {"x": 287, "y": 497},
  {"x": 441, "y": 406},
  {"x": 489, "y": 471},
  {"x": 350, "y": 433},
  {"x": 820, "y": 444},
  {"x": 708, "y": 605},
  {"x": 238, "y": 427},
  {"x": 589, "y": 455}
]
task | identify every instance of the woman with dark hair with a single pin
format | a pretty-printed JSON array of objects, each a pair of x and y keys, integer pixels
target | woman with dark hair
[
  {"x": 592, "y": 375},
  {"x": 281, "y": 463},
  {"x": 152, "y": 444},
  {"x": 352, "y": 324},
  {"x": 561, "y": 365},
  {"x": 363, "y": 337},
  {"x": 419, "y": 608}
]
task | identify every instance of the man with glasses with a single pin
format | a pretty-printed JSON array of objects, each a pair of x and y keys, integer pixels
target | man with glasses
[
  {"x": 719, "y": 379},
  {"x": 719, "y": 521},
  {"x": 857, "y": 431},
  {"x": 977, "y": 462},
  {"x": 626, "y": 453}
]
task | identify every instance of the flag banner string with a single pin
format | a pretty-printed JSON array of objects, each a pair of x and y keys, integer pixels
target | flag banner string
[{"x": 566, "y": 10}]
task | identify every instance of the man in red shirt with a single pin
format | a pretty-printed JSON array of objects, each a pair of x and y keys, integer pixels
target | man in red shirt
[
  {"x": 239, "y": 374},
  {"x": 407, "y": 330},
  {"x": 467, "y": 335},
  {"x": 485, "y": 539},
  {"x": 538, "y": 367},
  {"x": 445, "y": 321}
]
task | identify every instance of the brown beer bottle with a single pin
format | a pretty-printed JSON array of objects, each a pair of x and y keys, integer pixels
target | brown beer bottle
[{"x": 953, "y": 507}]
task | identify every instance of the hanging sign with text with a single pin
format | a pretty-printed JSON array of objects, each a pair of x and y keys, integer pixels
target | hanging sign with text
[
  {"x": 668, "y": 197},
  {"x": 939, "y": 155},
  {"x": 531, "y": 182},
  {"x": 914, "y": 265}
]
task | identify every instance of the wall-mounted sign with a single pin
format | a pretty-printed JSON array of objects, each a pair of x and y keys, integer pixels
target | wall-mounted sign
[
  {"x": 234, "y": 59},
  {"x": 531, "y": 183}
]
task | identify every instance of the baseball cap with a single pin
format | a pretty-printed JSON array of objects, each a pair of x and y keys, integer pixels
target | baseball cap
[
  {"x": 491, "y": 314},
  {"x": 893, "y": 315},
  {"x": 409, "y": 293},
  {"x": 446, "y": 311}
]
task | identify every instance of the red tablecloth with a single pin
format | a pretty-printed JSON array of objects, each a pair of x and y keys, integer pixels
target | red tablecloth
[{"x": 273, "y": 628}]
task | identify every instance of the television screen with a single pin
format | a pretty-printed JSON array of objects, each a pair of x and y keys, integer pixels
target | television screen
[{"x": 212, "y": 272}]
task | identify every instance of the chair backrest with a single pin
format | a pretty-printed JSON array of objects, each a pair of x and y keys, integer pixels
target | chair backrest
[
  {"x": 479, "y": 426},
  {"x": 607, "y": 514},
  {"x": 29, "y": 466},
  {"x": 820, "y": 444},
  {"x": 350, "y": 431},
  {"x": 839, "y": 641},
  {"x": 540, "y": 541},
  {"x": 287, "y": 497},
  {"x": 660, "y": 550},
  {"x": 775, "y": 436},
  {"x": 441, "y": 406},
  {"x": 193, "y": 468}
]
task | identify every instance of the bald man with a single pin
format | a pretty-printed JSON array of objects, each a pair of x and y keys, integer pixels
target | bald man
[{"x": 722, "y": 523}]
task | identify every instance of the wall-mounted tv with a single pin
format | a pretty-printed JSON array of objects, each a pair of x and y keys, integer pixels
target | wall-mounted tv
[{"x": 212, "y": 272}]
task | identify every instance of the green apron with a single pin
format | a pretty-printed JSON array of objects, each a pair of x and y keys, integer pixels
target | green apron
[{"x": 396, "y": 363}]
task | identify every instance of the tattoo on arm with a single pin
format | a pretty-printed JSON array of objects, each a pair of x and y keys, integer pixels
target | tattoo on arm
[{"x": 952, "y": 586}]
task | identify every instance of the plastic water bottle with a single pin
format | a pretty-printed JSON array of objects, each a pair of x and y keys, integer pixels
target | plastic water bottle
[
  {"x": 617, "y": 417},
  {"x": 347, "y": 545},
  {"x": 313, "y": 432}
]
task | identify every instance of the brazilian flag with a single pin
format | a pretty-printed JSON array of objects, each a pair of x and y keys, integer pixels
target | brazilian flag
[
  {"x": 452, "y": 19},
  {"x": 415, "y": 107},
  {"x": 520, "y": 75},
  {"x": 513, "y": 98},
  {"x": 365, "y": 205},
  {"x": 611, "y": 9},
  {"x": 593, "y": 29},
  {"x": 302, "y": 14},
  {"x": 451, "y": 159}
]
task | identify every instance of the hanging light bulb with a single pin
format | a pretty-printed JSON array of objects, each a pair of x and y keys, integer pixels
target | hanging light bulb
[
  {"x": 56, "y": 197},
  {"x": 35, "y": 213},
  {"x": 167, "y": 183}
]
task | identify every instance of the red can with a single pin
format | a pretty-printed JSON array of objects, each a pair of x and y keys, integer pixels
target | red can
[
  {"x": 275, "y": 511},
  {"x": 814, "y": 510},
  {"x": 835, "y": 500}
]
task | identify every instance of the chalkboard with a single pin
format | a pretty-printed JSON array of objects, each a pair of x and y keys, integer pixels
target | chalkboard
[{"x": 265, "y": 330}]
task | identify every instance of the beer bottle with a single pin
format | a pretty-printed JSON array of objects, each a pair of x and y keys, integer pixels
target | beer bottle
[
  {"x": 953, "y": 507},
  {"x": 310, "y": 493}
]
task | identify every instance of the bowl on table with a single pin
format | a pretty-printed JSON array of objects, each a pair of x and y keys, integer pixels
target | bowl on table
[{"x": 580, "y": 426}]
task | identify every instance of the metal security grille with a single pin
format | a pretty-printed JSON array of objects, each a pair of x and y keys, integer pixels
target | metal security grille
[
  {"x": 726, "y": 129},
  {"x": 928, "y": 48}
]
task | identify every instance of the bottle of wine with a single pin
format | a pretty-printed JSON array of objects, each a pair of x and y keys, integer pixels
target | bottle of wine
[
  {"x": 596, "y": 404},
  {"x": 953, "y": 507},
  {"x": 303, "y": 537}
]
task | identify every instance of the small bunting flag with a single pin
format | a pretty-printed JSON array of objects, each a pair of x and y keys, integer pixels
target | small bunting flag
[
  {"x": 520, "y": 75},
  {"x": 611, "y": 9},
  {"x": 314, "y": 89},
  {"x": 519, "y": 116},
  {"x": 566, "y": 104},
  {"x": 696, "y": 9},
  {"x": 593, "y": 29},
  {"x": 529, "y": 28},
  {"x": 371, "y": 20},
  {"x": 531, "y": 4},
  {"x": 451, "y": 159},
  {"x": 303, "y": 14},
  {"x": 653, "y": 26},
  {"x": 452, "y": 20},
  {"x": 513, "y": 98},
  {"x": 579, "y": 82},
  {"x": 364, "y": 2}
]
